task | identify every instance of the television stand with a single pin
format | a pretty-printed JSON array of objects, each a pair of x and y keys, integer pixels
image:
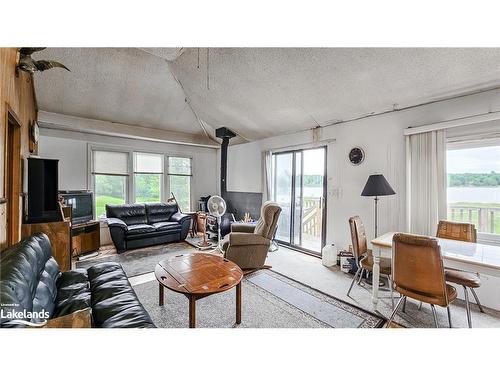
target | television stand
[{"x": 85, "y": 237}]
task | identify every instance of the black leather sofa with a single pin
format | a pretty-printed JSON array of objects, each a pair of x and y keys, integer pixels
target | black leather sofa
[
  {"x": 30, "y": 280},
  {"x": 140, "y": 225}
]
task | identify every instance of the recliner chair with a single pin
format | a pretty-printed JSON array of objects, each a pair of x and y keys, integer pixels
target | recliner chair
[{"x": 247, "y": 244}]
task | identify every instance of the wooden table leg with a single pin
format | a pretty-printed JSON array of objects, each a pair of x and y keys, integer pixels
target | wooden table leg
[
  {"x": 238, "y": 303},
  {"x": 161, "y": 294},
  {"x": 192, "y": 312}
]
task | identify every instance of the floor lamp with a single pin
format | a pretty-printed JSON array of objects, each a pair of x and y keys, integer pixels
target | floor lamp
[{"x": 377, "y": 186}]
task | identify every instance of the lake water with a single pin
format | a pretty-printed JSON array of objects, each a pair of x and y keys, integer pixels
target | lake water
[{"x": 474, "y": 194}]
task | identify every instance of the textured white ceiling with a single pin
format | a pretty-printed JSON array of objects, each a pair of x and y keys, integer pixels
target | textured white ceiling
[
  {"x": 124, "y": 85},
  {"x": 256, "y": 92}
]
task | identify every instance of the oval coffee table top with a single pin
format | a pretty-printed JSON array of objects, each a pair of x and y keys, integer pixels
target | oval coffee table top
[{"x": 198, "y": 273}]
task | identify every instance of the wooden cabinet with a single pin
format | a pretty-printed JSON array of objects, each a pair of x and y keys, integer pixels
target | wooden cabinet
[
  {"x": 86, "y": 237},
  {"x": 59, "y": 234},
  {"x": 3, "y": 225}
]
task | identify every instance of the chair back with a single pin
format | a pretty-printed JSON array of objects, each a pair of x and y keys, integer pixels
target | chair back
[
  {"x": 452, "y": 230},
  {"x": 358, "y": 236},
  {"x": 269, "y": 215},
  {"x": 417, "y": 267}
]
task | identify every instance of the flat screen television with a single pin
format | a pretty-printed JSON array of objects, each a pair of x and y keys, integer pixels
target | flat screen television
[{"x": 81, "y": 205}]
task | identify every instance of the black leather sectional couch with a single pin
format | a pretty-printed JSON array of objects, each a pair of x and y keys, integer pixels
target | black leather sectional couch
[
  {"x": 30, "y": 280},
  {"x": 140, "y": 225}
]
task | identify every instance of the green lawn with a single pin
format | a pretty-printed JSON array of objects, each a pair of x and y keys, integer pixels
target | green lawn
[
  {"x": 474, "y": 214},
  {"x": 102, "y": 200}
]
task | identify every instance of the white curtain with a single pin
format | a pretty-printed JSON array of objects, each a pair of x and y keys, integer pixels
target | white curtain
[
  {"x": 426, "y": 181},
  {"x": 267, "y": 176}
]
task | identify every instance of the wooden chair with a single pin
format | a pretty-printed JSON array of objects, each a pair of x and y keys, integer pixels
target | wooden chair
[
  {"x": 469, "y": 281},
  {"x": 418, "y": 273},
  {"x": 363, "y": 256},
  {"x": 457, "y": 231}
]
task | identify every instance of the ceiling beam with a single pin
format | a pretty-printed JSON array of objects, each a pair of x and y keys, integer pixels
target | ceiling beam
[{"x": 51, "y": 120}]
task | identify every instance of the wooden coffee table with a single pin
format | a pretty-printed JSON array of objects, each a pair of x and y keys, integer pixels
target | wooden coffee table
[{"x": 197, "y": 276}]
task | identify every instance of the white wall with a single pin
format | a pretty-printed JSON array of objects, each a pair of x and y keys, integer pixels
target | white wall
[
  {"x": 71, "y": 149},
  {"x": 382, "y": 139}
]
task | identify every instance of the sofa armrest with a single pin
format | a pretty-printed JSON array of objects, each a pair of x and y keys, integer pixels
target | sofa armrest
[
  {"x": 244, "y": 239},
  {"x": 243, "y": 227},
  {"x": 180, "y": 218},
  {"x": 115, "y": 222},
  {"x": 118, "y": 230}
]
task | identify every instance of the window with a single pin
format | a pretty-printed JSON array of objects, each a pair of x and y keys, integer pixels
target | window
[
  {"x": 473, "y": 192},
  {"x": 148, "y": 177},
  {"x": 110, "y": 172},
  {"x": 179, "y": 180}
]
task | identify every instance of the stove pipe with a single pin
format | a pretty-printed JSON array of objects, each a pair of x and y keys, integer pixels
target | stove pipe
[{"x": 225, "y": 134}]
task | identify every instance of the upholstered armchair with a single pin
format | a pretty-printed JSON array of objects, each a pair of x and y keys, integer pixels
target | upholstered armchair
[{"x": 247, "y": 244}]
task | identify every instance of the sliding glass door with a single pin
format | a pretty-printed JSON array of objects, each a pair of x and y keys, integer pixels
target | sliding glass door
[{"x": 299, "y": 187}]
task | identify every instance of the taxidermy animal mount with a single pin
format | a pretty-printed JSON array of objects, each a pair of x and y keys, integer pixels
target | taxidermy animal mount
[{"x": 28, "y": 64}]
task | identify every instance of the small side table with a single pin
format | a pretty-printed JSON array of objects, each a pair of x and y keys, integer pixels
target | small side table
[{"x": 193, "y": 229}]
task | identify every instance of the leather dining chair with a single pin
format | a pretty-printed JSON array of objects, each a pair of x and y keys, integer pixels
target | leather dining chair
[
  {"x": 363, "y": 256},
  {"x": 469, "y": 281},
  {"x": 418, "y": 273}
]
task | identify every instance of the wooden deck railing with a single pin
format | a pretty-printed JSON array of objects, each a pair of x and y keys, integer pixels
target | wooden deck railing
[
  {"x": 486, "y": 219},
  {"x": 311, "y": 220}
]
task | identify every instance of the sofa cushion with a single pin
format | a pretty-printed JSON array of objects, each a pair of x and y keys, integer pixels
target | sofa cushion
[
  {"x": 131, "y": 214},
  {"x": 167, "y": 226},
  {"x": 160, "y": 212},
  {"x": 140, "y": 228},
  {"x": 114, "y": 302},
  {"x": 28, "y": 277},
  {"x": 73, "y": 292}
]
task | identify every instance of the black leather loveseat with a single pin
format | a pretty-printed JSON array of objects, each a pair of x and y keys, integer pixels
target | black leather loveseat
[
  {"x": 33, "y": 289},
  {"x": 140, "y": 225}
]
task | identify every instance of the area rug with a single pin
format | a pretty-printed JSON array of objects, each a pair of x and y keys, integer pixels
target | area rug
[
  {"x": 269, "y": 300},
  {"x": 140, "y": 261}
]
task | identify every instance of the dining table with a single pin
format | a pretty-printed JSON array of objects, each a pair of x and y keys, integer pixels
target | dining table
[{"x": 467, "y": 256}]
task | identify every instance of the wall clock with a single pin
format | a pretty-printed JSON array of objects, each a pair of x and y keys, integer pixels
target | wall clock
[{"x": 356, "y": 155}]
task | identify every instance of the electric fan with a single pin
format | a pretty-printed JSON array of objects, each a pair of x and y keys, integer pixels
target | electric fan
[{"x": 217, "y": 207}]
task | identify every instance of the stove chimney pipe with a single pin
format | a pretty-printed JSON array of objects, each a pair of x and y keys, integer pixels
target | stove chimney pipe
[{"x": 225, "y": 134}]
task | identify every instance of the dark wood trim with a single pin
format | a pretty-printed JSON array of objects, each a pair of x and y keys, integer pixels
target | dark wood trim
[
  {"x": 12, "y": 173},
  {"x": 10, "y": 112}
]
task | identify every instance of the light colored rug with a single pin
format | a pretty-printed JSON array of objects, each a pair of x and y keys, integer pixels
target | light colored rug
[
  {"x": 140, "y": 261},
  {"x": 269, "y": 300}
]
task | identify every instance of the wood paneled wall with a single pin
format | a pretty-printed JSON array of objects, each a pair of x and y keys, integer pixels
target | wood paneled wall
[{"x": 17, "y": 95}]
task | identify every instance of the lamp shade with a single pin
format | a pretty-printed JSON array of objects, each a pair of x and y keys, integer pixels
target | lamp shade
[{"x": 377, "y": 186}]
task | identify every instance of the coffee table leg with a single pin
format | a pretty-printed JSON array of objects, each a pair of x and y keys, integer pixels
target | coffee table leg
[
  {"x": 192, "y": 312},
  {"x": 161, "y": 294},
  {"x": 238, "y": 303}
]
